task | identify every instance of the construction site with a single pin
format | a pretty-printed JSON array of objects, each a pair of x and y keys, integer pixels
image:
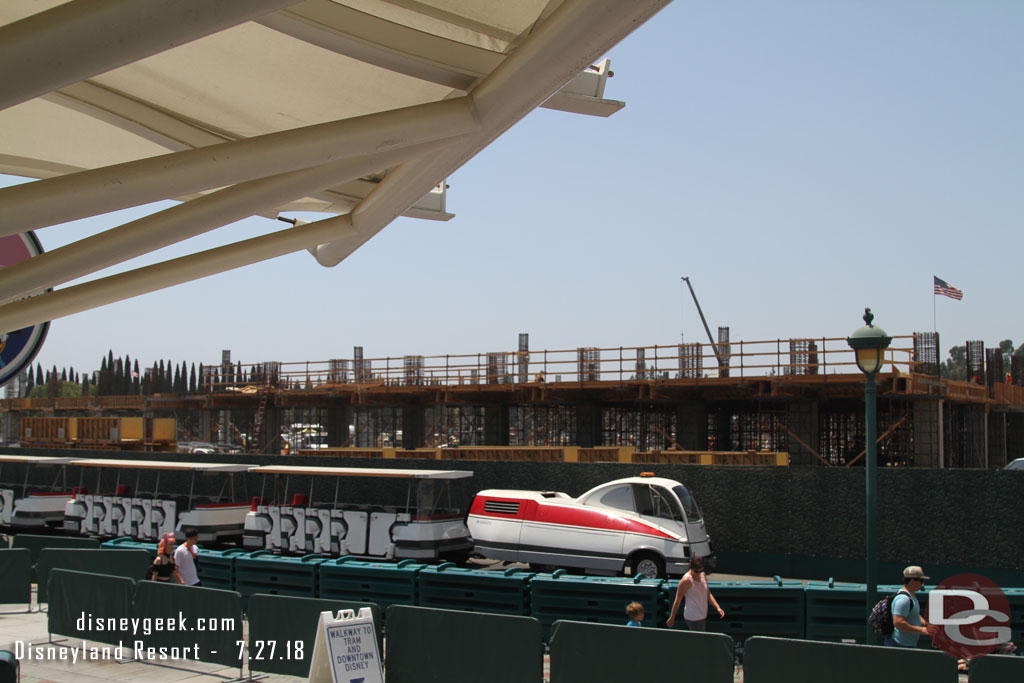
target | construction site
[{"x": 781, "y": 402}]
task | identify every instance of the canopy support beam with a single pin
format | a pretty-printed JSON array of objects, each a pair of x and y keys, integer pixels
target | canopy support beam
[
  {"x": 189, "y": 219},
  {"x": 87, "y": 193},
  {"x": 567, "y": 42}
]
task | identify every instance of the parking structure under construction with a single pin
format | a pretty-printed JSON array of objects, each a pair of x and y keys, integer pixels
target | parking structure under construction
[{"x": 801, "y": 400}]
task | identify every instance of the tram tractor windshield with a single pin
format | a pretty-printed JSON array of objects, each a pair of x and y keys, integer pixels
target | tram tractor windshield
[
  {"x": 434, "y": 497},
  {"x": 657, "y": 501},
  {"x": 693, "y": 514}
]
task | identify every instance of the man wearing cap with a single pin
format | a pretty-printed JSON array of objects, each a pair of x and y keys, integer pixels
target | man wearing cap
[{"x": 907, "y": 621}]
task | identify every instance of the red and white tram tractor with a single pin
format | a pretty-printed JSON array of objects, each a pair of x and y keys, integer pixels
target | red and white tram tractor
[{"x": 647, "y": 525}]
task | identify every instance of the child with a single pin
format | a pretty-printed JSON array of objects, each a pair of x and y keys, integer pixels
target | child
[{"x": 635, "y": 612}]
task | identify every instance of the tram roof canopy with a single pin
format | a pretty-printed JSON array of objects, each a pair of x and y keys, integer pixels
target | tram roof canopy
[
  {"x": 160, "y": 465},
  {"x": 363, "y": 472},
  {"x": 35, "y": 459}
]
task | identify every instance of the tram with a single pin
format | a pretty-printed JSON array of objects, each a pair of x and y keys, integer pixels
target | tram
[
  {"x": 425, "y": 524},
  {"x": 38, "y": 508},
  {"x": 146, "y": 515}
]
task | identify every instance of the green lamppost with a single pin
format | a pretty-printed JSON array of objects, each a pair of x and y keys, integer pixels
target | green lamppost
[{"x": 869, "y": 344}]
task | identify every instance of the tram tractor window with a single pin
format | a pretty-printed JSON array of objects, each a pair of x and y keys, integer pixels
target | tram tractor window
[
  {"x": 427, "y": 495},
  {"x": 620, "y": 498},
  {"x": 655, "y": 501},
  {"x": 434, "y": 497},
  {"x": 690, "y": 506}
]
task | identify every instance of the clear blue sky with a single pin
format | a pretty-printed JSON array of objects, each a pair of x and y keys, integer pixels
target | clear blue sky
[{"x": 798, "y": 160}]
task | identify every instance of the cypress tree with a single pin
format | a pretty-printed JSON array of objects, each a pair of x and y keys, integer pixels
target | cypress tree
[{"x": 192, "y": 385}]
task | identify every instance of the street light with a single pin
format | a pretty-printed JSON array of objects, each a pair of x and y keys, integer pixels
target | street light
[{"x": 869, "y": 344}]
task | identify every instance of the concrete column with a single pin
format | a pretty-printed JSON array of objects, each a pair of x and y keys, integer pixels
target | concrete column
[
  {"x": 692, "y": 426},
  {"x": 271, "y": 429},
  {"x": 996, "y": 429},
  {"x": 588, "y": 425},
  {"x": 927, "y": 427},
  {"x": 205, "y": 423},
  {"x": 412, "y": 426},
  {"x": 802, "y": 420},
  {"x": 338, "y": 418},
  {"x": 496, "y": 425}
]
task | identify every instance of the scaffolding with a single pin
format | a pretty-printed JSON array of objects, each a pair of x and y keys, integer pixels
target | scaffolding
[
  {"x": 455, "y": 425},
  {"x": 542, "y": 425},
  {"x": 651, "y": 427}
]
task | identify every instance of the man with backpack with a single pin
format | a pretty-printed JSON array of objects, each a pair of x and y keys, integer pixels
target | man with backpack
[{"x": 908, "y": 624}]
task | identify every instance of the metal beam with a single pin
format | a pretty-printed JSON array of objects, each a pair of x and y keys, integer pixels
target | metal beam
[
  {"x": 401, "y": 49},
  {"x": 76, "y": 40},
  {"x": 56, "y": 200},
  {"x": 138, "y": 117},
  {"x": 187, "y": 220},
  {"x": 89, "y": 295},
  {"x": 571, "y": 39}
]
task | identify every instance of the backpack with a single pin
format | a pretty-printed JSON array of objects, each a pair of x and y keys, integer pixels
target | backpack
[{"x": 880, "y": 618}]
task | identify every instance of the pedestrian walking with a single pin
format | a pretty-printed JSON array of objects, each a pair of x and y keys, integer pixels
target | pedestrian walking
[
  {"x": 187, "y": 559},
  {"x": 908, "y": 624},
  {"x": 164, "y": 567},
  {"x": 694, "y": 587}
]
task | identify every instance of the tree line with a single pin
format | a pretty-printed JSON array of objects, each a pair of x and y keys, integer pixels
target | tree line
[
  {"x": 116, "y": 377},
  {"x": 955, "y": 367}
]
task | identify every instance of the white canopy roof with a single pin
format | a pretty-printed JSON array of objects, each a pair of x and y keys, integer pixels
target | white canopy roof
[{"x": 360, "y": 108}]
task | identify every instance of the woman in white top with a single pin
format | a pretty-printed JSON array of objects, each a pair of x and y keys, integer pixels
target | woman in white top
[{"x": 694, "y": 585}]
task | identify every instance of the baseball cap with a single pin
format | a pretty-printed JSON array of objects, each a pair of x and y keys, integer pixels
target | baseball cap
[{"x": 914, "y": 572}]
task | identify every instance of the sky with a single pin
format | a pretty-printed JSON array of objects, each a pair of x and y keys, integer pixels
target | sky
[{"x": 797, "y": 160}]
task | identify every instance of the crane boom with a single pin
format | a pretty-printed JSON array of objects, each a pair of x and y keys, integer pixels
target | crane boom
[{"x": 714, "y": 346}]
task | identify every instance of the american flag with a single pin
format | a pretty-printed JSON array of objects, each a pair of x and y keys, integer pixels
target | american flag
[{"x": 945, "y": 289}]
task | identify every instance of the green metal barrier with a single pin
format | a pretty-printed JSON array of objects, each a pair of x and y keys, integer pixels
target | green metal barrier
[
  {"x": 472, "y": 590},
  {"x": 16, "y": 576},
  {"x": 599, "y": 599},
  {"x": 262, "y": 572},
  {"x": 777, "y": 660},
  {"x": 997, "y": 669},
  {"x": 836, "y": 612},
  {"x": 36, "y": 543},
  {"x": 91, "y": 607},
  {"x": 382, "y": 583},
  {"x": 1015, "y": 597},
  {"x": 282, "y": 630},
  {"x": 599, "y": 652},
  {"x": 130, "y": 563},
  {"x": 212, "y": 621},
  {"x": 217, "y": 567},
  {"x": 10, "y": 667},
  {"x": 129, "y": 543},
  {"x": 461, "y": 647},
  {"x": 752, "y": 608}
]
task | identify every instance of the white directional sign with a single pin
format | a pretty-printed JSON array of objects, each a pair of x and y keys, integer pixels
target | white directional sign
[{"x": 345, "y": 650}]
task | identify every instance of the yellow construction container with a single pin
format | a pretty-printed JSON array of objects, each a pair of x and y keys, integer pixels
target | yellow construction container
[{"x": 164, "y": 430}]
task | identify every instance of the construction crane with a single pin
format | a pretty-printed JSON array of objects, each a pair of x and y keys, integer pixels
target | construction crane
[{"x": 714, "y": 345}]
